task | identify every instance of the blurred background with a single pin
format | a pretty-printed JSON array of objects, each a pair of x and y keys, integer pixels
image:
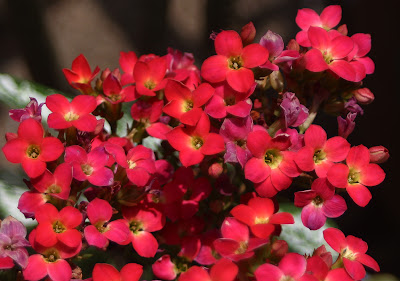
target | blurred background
[{"x": 39, "y": 38}]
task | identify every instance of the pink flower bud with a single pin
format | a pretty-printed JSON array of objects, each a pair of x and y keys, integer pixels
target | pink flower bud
[
  {"x": 378, "y": 154},
  {"x": 364, "y": 96}
]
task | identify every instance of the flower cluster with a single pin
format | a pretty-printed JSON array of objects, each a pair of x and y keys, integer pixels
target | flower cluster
[{"x": 233, "y": 134}]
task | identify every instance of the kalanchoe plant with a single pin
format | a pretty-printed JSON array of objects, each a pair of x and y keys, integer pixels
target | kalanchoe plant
[{"x": 203, "y": 205}]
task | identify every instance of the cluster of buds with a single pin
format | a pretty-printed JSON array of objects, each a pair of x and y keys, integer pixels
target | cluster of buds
[{"x": 233, "y": 134}]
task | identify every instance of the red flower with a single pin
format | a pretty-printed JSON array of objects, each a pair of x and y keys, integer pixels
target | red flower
[
  {"x": 80, "y": 75},
  {"x": 356, "y": 175},
  {"x": 40, "y": 266},
  {"x": 127, "y": 61},
  {"x": 115, "y": 93},
  {"x": 223, "y": 270},
  {"x": 352, "y": 251},
  {"x": 319, "y": 153},
  {"x": 106, "y": 272},
  {"x": 195, "y": 142},
  {"x": 57, "y": 226},
  {"x": 76, "y": 113},
  {"x": 184, "y": 104},
  {"x": 149, "y": 76},
  {"x": 259, "y": 214},
  {"x": 142, "y": 221},
  {"x": 233, "y": 63},
  {"x": 140, "y": 165},
  {"x": 272, "y": 167},
  {"x": 31, "y": 149}
]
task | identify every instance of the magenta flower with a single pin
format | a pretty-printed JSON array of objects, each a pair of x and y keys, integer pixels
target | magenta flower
[
  {"x": 319, "y": 203},
  {"x": 32, "y": 110},
  {"x": 101, "y": 230},
  {"x": 294, "y": 113},
  {"x": 89, "y": 166},
  {"x": 330, "y": 53},
  {"x": 274, "y": 44},
  {"x": 13, "y": 243}
]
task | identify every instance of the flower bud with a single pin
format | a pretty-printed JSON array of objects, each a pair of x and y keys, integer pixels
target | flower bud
[
  {"x": 378, "y": 154},
  {"x": 215, "y": 170},
  {"x": 364, "y": 96},
  {"x": 164, "y": 268},
  {"x": 248, "y": 33}
]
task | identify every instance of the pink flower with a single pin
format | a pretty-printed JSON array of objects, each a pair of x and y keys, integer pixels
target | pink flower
[
  {"x": 32, "y": 110},
  {"x": 319, "y": 203},
  {"x": 31, "y": 149},
  {"x": 106, "y": 272},
  {"x": 356, "y": 175},
  {"x": 13, "y": 243},
  {"x": 76, "y": 113},
  {"x": 352, "y": 252},
  {"x": 149, "y": 76},
  {"x": 114, "y": 92},
  {"x": 330, "y": 53},
  {"x": 89, "y": 166},
  {"x": 101, "y": 230},
  {"x": 319, "y": 269},
  {"x": 329, "y": 18},
  {"x": 164, "y": 268},
  {"x": 233, "y": 63},
  {"x": 52, "y": 265}
]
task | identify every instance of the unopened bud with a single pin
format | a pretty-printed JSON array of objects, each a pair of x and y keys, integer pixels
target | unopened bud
[
  {"x": 293, "y": 45},
  {"x": 277, "y": 81},
  {"x": 343, "y": 29},
  {"x": 248, "y": 33},
  {"x": 215, "y": 170},
  {"x": 378, "y": 154},
  {"x": 364, "y": 96}
]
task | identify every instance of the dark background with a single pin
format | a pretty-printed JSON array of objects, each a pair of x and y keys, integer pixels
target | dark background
[{"x": 39, "y": 38}]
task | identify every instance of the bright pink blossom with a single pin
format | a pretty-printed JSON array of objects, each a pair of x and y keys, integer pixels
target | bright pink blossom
[
  {"x": 329, "y": 18},
  {"x": 72, "y": 114},
  {"x": 319, "y": 269},
  {"x": 53, "y": 266},
  {"x": 140, "y": 165},
  {"x": 318, "y": 153},
  {"x": 356, "y": 175},
  {"x": 101, "y": 230},
  {"x": 114, "y": 92},
  {"x": 352, "y": 252},
  {"x": 233, "y": 63},
  {"x": 149, "y": 76},
  {"x": 330, "y": 53},
  {"x": 164, "y": 268},
  {"x": 89, "y": 166},
  {"x": 31, "y": 149},
  {"x": 106, "y": 272},
  {"x": 319, "y": 203}
]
